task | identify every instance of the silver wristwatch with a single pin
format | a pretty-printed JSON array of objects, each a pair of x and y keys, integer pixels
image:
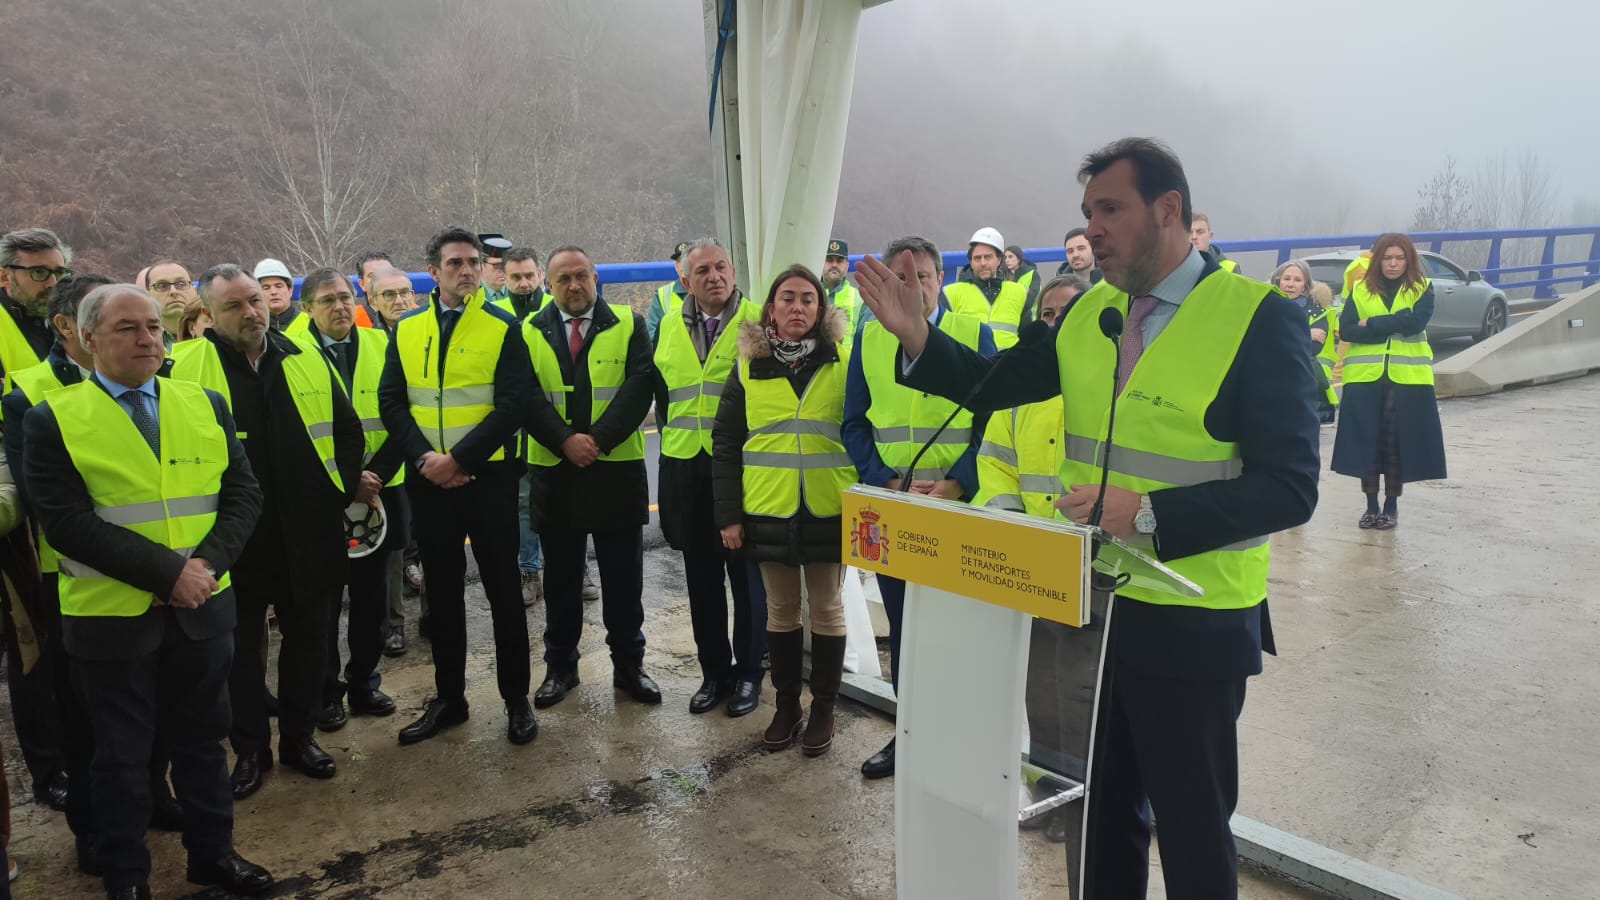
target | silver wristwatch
[{"x": 1144, "y": 521}]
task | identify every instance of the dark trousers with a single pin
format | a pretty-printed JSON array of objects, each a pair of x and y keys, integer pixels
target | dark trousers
[
  {"x": 369, "y": 605},
  {"x": 708, "y": 613},
  {"x": 182, "y": 688},
  {"x": 1170, "y": 746},
  {"x": 893, "y": 591},
  {"x": 302, "y": 611},
  {"x": 484, "y": 510},
  {"x": 34, "y": 706},
  {"x": 619, "y": 555}
]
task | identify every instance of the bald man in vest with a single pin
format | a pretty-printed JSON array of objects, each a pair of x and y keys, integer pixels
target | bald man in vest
[{"x": 1218, "y": 451}]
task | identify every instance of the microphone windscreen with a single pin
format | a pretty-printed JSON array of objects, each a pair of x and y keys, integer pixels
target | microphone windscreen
[{"x": 1111, "y": 322}]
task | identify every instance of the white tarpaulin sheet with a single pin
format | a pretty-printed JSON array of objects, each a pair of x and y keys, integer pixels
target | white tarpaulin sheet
[{"x": 796, "y": 69}]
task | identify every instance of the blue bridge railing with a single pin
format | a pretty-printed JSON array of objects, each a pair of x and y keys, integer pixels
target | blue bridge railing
[{"x": 1549, "y": 270}]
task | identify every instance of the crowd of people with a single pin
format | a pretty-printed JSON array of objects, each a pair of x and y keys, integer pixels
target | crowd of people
[{"x": 188, "y": 454}]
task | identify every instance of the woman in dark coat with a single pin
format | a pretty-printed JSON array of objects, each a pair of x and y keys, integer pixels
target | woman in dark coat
[
  {"x": 1389, "y": 418},
  {"x": 793, "y": 358}
]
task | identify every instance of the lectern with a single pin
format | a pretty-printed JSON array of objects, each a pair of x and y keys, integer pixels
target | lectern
[{"x": 974, "y": 578}]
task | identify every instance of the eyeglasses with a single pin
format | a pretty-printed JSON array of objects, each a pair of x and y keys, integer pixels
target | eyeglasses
[
  {"x": 42, "y": 273},
  {"x": 162, "y": 287},
  {"x": 392, "y": 296},
  {"x": 329, "y": 300}
]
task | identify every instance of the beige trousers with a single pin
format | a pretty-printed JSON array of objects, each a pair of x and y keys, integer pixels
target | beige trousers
[{"x": 824, "y": 582}]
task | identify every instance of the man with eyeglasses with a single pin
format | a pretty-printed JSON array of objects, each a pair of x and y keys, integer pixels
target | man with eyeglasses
[
  {"x": 32, "y": 260},
  {"x": 367, "y": 315},
  {"x": 356, "y": 355},
  {"x": 167, "y": 282},
  {"x": 455, "y": 390}
]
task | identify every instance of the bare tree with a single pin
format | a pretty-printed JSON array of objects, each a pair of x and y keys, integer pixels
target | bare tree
[
  {"x": 325, "y": 172},
  {"x": 1445, "y": 202}
]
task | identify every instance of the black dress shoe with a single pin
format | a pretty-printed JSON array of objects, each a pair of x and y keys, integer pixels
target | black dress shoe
[
  {"x": 52, "y": 792},
  {"x": 880, "y": 764},
  {"x": 131, "y": 892},
  {"x": 247, "y": 774},
  {"x": 554, "y": 687},
  {"x": 332, "y": 717},
  {"x": 89, "y": 855},
  {"x": 436, "y": 716},
  {"x": 395, "y": 643},
  {"x": 272, "y": 705},
  {"x": 746, "y": 697},
  {"x": 521, "y": 726},
  {"x": 712, "y": 692},
  {"x": 630, "y": 679},
  {"x": 307, "y": 758},
  {"x": 371, "y": 703},
  {"x": 231, "y": 872},
  {"x": 166, "y": 813}
]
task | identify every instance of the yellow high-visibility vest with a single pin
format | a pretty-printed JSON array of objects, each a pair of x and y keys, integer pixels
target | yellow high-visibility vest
[
  {"x": 793, "y": 453},
  {"x": 1408, "y": 358},
  {"x": 1019, "y": 461},
  {"x": 607, "y": 360},
  {"x": 694, "y": 388},
  {"x": 452, "y": 389},
  {"x": 904, "y": 419},
  {"x": 1004, "y": 316}
]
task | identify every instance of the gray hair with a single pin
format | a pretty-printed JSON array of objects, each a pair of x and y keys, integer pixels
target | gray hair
[
  {"x": 224, "y": 271},
  {"x": 1300, "y": 264},
  {"x": 389, "y": 272},
  {"x": 30, "y": 240},
  {"x": 919, "y": 246},
  {"x": 698, "y": 244},
  {"x": 1078, "y": 283},
  {"x": 92, "y": 306}
]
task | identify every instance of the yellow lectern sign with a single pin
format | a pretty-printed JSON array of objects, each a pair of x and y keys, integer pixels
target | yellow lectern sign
[{"x": 1032, "y": 565}]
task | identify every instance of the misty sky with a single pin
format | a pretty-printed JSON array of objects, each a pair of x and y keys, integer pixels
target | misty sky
[{"x": 1289, "y": 119}]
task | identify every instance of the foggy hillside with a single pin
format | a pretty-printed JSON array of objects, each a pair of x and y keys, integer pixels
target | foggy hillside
[{"x": 235, "y": 129}]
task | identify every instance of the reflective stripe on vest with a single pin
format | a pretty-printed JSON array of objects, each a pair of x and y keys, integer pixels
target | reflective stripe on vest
[
  {"x": 605, "y": 352},
  {"x": 16, "y": 353},
  {"x": 171, "y": 501},
  {"x": 1406, "y": 358},
  {"x": 308, "y": 375},
  {"x": 447, "y": 408},
  {"x": 1162, "y": 440},
  {"x": 371, "y": 351},
  {"x": 1003, "y": 317},
  {"x": 1020, "y": 459},
  {"x": 793, "y": 453},
  {"x": 694, "y": 388},
  {"x": 904, "y": 419}
]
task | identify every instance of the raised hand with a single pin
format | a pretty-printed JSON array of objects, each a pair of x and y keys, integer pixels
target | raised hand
[{"x": 895, "y": 298}]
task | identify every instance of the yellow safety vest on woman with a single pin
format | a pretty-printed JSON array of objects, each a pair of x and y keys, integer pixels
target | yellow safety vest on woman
[
  {"x": 310, "y": 381},
  {"x": 1019, "y": 461},
  {"x": 452, "y": 392},
  {"x": 793, "y": 453},
  {"x": 172, "y": 500},
  {"x": 36, "y": 383},
  {"x": 904, "y": 419},
  {"x": 1162, "y": 440},
  {"x": 1004, "y": 316},
  {"x": 607, "y": 357},
  {"x": 1407, "y": 358},
  {"x": 1328, "y": 356},
  {"x": 693, "y": 388}
]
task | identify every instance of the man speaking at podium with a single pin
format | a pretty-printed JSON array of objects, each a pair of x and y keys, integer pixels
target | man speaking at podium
[{"x": 1215, "y": 448}]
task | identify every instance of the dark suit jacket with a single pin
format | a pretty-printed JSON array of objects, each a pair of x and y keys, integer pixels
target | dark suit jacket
[
  {"x": 66, "y": 513},
  {"x": 388, "y": 459},
  {"x": 513, "y": 383},
  {"x": 1265, "y": 405},
  {"x": 606, "y": 495}
]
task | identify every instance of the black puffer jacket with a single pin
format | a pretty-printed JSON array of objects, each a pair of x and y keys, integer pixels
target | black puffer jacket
[{"x": 802, "y": 538}]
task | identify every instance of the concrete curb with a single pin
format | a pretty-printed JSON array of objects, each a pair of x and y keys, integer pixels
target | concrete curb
[{"x": 1552, "y": 345}]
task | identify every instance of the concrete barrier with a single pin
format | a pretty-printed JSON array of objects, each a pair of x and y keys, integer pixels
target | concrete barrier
[{"x": 1560, "y": 342}]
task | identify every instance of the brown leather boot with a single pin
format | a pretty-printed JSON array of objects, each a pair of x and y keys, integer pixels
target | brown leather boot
[
  {"x": 827, "y": 670},
  {"x": 784, "y": 649}
]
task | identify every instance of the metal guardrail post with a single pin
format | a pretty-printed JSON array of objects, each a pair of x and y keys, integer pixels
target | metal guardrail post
[
  {"x": 1594, "y": 266},
  {"x": 1547, "y": 291},
  {"x": 1494, "y": 256}
]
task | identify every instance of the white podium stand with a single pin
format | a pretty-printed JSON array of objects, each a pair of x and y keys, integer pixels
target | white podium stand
[{"x": 974, "y": 579}]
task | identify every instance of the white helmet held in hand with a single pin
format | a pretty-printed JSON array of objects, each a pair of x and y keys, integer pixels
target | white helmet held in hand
[{"x": 991, "y": 237}]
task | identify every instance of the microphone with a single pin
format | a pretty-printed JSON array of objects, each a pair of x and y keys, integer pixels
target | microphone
[
  {"x": 1029, "y": 333},
  {"x": 1111, "y": 327}
]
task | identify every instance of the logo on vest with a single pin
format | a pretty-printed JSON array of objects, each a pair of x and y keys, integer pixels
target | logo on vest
[
  {"x": 1157, "y": 401},
  {"x": 869, "y": 539},
  {"x": 190, "y": 461}
]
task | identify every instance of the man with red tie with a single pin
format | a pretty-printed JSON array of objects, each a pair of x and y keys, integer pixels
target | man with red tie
[{"x": 586, "y": 460}]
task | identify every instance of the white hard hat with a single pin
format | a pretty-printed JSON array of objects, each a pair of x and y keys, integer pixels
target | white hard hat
[
  {"x": 272, "y": 268},
  {"x": 989, "y": 236}
]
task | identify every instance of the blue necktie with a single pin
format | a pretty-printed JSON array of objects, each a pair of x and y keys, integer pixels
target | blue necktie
[{"x": 138, "y": 407}]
